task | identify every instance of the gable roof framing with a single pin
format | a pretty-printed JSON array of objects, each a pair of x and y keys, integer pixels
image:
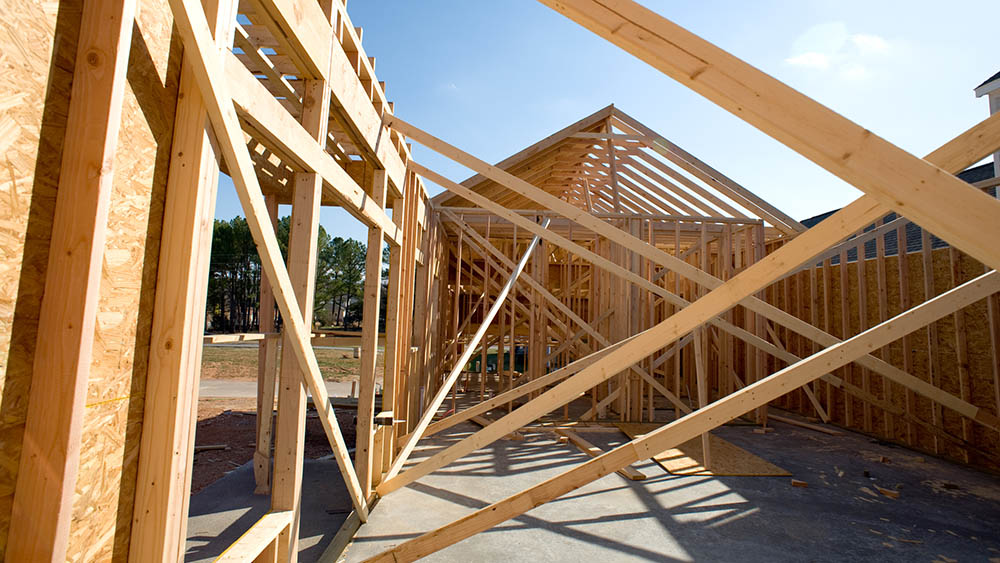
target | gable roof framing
[
  {"x": 924, "y": 190},
  {"x": 627, "y": 168}
]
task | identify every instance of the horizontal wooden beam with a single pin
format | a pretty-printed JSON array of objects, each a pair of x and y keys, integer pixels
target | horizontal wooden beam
[
  {"x": 695, "y": 220},
  {"x": 355, "y": 105},
  {"x": 609, "y": 136},
  {"x": 242, "y": 337},
  {"x": 269, "y": 119},
  {"x": 302, "y": 31}
]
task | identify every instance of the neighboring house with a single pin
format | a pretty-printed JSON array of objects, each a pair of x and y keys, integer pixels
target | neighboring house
[
  {"x": 991, "y": 89},
  {"x": 983, "y": 175}
]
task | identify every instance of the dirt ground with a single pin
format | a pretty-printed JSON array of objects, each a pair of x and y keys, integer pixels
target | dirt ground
[
  {"x": 232, "y": 422},
  {"x": 240, "y": 362}
]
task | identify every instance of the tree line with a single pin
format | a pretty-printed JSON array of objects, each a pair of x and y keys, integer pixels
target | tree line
[{"x": 235, "y": 274}]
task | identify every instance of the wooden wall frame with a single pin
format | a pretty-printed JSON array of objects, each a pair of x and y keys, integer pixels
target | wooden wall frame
[{"x": 603, "y": 266}]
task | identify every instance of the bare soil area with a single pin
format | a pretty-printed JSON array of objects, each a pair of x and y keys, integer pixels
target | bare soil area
[
  {"x": 233, "y": 422},
  {"x": 240, "y": 362}
]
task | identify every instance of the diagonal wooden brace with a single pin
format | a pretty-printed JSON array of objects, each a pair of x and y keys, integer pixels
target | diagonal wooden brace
[
  {"x": 456, "y": 371},
  {"x": 698, "y": 422},
  {"x": 205, "y": 61}
]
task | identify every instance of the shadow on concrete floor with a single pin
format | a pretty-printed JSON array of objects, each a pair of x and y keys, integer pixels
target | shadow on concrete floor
[
  {"x": 944, "y": 511},
  {"x": 225, "y": 510}
]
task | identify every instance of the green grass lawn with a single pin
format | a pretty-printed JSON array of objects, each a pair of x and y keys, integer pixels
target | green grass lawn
[{"x": 232, "y": 362}]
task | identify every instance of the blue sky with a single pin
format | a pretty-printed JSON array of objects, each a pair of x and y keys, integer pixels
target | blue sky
[{"x": 495, "y": 76}]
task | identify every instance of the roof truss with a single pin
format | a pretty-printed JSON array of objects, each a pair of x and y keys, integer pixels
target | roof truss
[
  {"x": 610, "y": 162},
  {"x": 923, "y": 190}
]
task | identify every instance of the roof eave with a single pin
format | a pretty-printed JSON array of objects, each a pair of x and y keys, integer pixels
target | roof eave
[{"x": 992, "y": 84}]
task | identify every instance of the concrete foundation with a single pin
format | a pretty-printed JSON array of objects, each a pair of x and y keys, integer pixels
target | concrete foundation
[{"x": 944, "y": 511}]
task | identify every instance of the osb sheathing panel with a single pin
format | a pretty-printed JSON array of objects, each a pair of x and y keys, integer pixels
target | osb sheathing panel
[
  {"x": 982, "y": 447},
  {"x": 102, "y": 507},
  {"x": 37, "y": 49}
]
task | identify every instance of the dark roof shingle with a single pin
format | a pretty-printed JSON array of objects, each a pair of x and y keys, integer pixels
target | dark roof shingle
[{"x": 988, "y": 80}]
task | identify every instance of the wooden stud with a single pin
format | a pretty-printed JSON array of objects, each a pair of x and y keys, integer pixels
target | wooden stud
[
  {"x": 369, "y": 346},
  {"x": 46, "y": 480},
  {"x": 903, "y": 264},
  {"x": 267, "y": 365},
  {"x": 452, "y": 377},
  {"x": 289, "y": 433},
  {"x": 693, "y": 424},
  {"x": 961, "y": 344},
  {"x": 194, "y": 31},
  {"x": 933, "y": 359},
  {"x": 873, "y": 211}
]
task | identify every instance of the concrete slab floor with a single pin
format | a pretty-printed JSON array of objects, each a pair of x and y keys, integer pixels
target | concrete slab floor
[
  {"x": 945, "y": 512},
  {"x": 220, "y": 513}
]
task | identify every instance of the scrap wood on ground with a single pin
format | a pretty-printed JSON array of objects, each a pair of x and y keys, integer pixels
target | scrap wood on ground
[{"x": 688, "y": 459}]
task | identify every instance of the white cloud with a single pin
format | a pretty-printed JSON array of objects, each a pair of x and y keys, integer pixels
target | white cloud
[
  {"x": 870, "y": 44},
  {"x": 828, "y": 38},
  {"x": 811, "y": 59},
  {"x": 830, "y": 47}
]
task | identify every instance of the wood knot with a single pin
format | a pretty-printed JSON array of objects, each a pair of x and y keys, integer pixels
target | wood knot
[{"x": 93, "y": 58}]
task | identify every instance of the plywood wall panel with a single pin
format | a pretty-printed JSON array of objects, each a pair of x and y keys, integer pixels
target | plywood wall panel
[
  {"x": 983, "y": 447},
  {"x": 37, "y": 54},
  {"x": 105, "y": 488}
]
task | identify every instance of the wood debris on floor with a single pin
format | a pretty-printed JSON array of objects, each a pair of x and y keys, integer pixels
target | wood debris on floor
[{"x": 727, "y": 459}]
